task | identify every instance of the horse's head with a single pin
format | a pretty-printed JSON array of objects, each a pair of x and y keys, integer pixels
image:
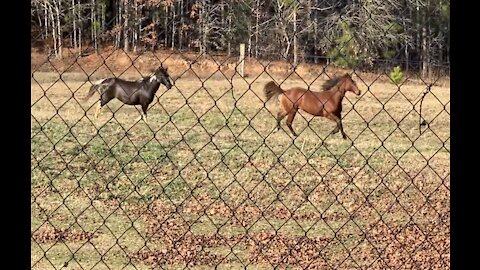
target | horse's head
[
  {"x": 350, "y": 85},
  {"x": 161, "y": 75}
]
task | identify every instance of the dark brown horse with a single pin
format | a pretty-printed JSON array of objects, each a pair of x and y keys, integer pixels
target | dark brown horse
[
  {"x": 327, "y": 103},
  {"x": 140, "y": 92}
]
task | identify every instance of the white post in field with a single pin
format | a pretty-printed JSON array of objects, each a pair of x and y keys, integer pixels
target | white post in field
[{"x": 241, "y": 60}]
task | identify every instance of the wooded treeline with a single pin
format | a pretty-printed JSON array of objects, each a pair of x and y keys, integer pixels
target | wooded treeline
[{"x": 356, "y": 33}]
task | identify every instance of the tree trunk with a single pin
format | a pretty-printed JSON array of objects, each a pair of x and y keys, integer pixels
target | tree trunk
[
  {"x": 249, "y": 50},
  {"x": 79, "y": 30},
  {"x": 407, "y": 64},
  {"x": 46, "y": 19},
  {"x": 125, "y": 27},
  {"x": 223, "y": 15},
  {"x": 92, "y": 21},
  {"x": 447, "y": 43},
  {"x": 295, "y": 52},
  {"x": 229, "y": 22},
  {"x": 180, "y": 36},
  {"x": 405, "y": 49},
  {"x": 440, "y": 44},
  {"x": 54, "y": 30},
  {"x": 59, "y": 29},
  {"x": 315, "y": 36},
  {"x": 203, "y": 45},
  {"x": 165, "y": 42},
  {"x": 309, "y": 23},
  {"x": 257, "y": 19},
  {"x": 74, "y": 14},
  {"x": 37, "y": 11},
  {"x": 103, "y": 17},
  {"x": 444, "y": 47},
  {"x": 424, "y": 51},
  {"x": 173, "y": 26},
  {"x": 94, "y": 26},
  {"x": 418, "y": 38},
  {"x": 429, "y": 49},
  {"x": 287, "y": 40},
  {"x": 140, "y": 44},
  {"x": 135, "y": 29},
  {"x": 119, "y": 23}
]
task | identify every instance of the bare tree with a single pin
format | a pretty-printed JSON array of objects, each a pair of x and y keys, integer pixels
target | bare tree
[
  {"x": 125, "y": 29},
  {"x": 74, "y": 22},
  {"x": 94, "y": 25},
  {"x": 409, "y": 30}
]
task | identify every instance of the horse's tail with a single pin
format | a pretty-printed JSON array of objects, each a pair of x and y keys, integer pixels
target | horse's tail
[
  {"x": 96, "y": 85},
  {"x": 272, "y": 90}
]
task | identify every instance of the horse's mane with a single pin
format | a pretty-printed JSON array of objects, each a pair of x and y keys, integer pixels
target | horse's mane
[
  {"x": 331, "y": 83},
  {"x": 147, "y": 78}
]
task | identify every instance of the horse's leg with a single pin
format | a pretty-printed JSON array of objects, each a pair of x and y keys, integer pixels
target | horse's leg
[
  {"x": 140, "y": 112},
  {"x": 98, "y": 109},
  {"x": 104, "y": 99},
  {"x": 144, "y": 109},
  {"x": 97, "y": 112},
  {"x": 339, "y": 126},
  {"x": 291, "y": 116},
  {"x": 336, "y": 130},
  {"x": 280, "y": 115},
  {"x": 339, "y": 117}
]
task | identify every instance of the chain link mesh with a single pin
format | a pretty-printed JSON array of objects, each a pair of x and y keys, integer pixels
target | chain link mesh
[{"x": 207, "y": 183}]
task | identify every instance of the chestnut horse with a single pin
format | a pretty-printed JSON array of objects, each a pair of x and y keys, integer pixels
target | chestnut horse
[{"x": 327, "y": 103}]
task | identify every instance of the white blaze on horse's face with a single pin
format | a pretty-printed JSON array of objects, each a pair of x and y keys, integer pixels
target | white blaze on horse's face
[
  {"x": 99, "y": 82},
  {"x": 153, "y": 78}
]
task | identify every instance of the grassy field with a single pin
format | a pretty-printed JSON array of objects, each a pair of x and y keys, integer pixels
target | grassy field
[{"x": 191, "y": 189}]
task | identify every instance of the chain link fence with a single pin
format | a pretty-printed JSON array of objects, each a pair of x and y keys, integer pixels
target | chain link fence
[{"x": 207, "y": 183}]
